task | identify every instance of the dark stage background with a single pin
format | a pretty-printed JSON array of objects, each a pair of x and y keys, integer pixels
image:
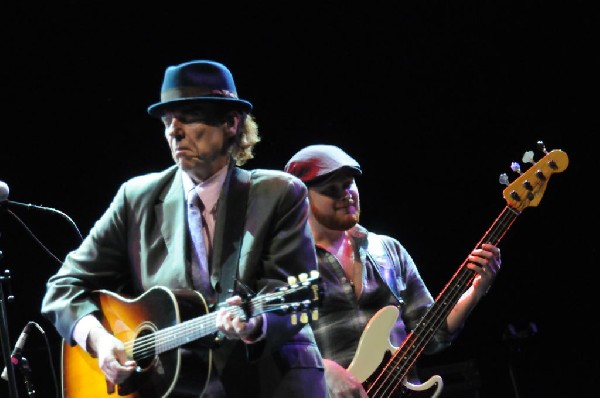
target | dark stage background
[{"x": 435, "y": 99}]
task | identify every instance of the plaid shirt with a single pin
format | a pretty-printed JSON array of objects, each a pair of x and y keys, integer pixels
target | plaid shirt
[{"x": 343, "y": 317}]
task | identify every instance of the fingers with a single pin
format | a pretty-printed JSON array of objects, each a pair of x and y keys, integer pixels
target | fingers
[
  {"x": 342, "y": 383},
  {"x": 229, "y": 323},
  {"x": 110, "y": 387},
  {"x": 232, "y": 324},
  {"x": 486, "y": 260},
  {"x": 115, "y": 372},
  {"x": 234, "y": 300},
  {"x": 113, "y": 361},
  {"x": 495, "y": 251}
]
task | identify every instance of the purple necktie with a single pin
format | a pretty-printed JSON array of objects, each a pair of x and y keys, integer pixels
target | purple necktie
[{"x": 200, "y": 272}]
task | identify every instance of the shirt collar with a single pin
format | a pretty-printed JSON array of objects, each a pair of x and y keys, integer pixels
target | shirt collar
[{"x": 208, "y": 190}]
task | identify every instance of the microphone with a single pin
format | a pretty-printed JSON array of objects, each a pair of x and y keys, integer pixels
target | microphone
[
  {"x": 15, "y": 357},
  {"x": 4, "y": 191}
]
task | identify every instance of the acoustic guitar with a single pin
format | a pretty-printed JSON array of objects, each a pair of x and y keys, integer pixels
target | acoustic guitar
[{"x": 171, "y": 335}]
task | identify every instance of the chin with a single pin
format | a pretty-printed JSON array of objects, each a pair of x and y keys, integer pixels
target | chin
[
  {"x": 185, "y": 163},
  {"x": 348, "y": 223}
]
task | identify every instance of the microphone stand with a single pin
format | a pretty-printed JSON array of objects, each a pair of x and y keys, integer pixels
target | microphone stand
[
  {"x": 23, "y": 363},
  {"x": 10, "y": 371}
]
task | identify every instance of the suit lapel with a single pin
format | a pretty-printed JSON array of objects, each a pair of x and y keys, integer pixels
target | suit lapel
[
  {"x": 231, "y": 217},
  {"x": 170, "y": 215}
]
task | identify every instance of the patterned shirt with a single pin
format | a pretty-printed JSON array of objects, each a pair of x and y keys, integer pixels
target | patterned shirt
[{"x": 343, "y": 317}]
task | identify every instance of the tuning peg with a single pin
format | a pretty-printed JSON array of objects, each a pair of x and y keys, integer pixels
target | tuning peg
[
  {"x": 315, "y": 314},
  {"x": 528, "y": 157},
  {"x": 303, "y": 276},
  {"x": 516, "y": 167},
  {"x": 294, "y": 317},
  {"x": 314, "y": 274},
  {"x": 292, "y": 280},
  {"x": 542, "y": 147},
  {"x": 503, "y": 179},
  {"x": 303, "y": 318}
]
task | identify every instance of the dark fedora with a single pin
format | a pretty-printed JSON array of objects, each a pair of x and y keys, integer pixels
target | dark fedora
[{"x": 197, "y": 81}]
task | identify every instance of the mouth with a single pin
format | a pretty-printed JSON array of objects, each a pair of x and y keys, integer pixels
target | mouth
[
  {"x": 351, "y": 208},
  {"x": 183, "y": 152}
]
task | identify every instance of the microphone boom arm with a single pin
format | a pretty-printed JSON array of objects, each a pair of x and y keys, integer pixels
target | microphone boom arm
[{"x": 29, "y": 205}]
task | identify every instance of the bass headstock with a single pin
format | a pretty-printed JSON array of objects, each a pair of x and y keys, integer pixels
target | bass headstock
[{"x": 528, "y": 189}]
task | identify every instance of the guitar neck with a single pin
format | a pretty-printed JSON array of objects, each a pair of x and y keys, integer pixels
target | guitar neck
[
  {"x": 306, "y": 291},
  {"x": 435, "y": 317},
  {"x": 188, "y": 331}
]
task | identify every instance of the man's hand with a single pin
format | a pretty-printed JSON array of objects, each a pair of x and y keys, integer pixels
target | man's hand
[
  {"x": 112, "y": 358},
  {"x": 233, "y": 327},
  {"x": 486, "y": 263},
  {"x": 341, "y": 383}
]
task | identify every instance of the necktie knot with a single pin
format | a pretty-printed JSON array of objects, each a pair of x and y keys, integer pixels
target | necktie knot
[{"x": 196, "y": 202}]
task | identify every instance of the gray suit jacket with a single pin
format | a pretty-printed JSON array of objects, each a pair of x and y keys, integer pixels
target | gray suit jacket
[{"x": 141, "y": 241}]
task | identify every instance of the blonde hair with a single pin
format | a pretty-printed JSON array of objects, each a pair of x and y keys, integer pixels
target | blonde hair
[{"x": 246, "y": 138}]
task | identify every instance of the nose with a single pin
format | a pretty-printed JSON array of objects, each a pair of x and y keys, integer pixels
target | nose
[{"x": 175, "y": 129}]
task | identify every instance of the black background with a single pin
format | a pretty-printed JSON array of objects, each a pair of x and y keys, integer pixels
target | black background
[{"x": 435, "y": 100}]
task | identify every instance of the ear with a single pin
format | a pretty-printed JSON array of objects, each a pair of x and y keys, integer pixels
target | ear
[{"x": 232, "y": 122}]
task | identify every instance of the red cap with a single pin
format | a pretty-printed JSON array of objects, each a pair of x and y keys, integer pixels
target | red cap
[{"x": 318, "y": 162}]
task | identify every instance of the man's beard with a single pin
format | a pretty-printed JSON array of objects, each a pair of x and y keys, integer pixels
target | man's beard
[{"x": 337, "y": 222}]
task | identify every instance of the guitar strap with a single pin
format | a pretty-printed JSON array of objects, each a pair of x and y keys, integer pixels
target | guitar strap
[
  {"x": 236, "y": 218},
  {"x": 388, "y": 275}
]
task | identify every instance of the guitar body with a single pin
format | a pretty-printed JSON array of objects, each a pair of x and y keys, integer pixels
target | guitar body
[
  {"x": 185, "y": 369},
  {"x": 374, "y": 351},
  {"x": 374, "y": 344}
]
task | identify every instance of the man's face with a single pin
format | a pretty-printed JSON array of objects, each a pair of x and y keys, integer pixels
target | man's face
[
  {"x": 199, "y": 138},
  {"x": 335, "y": 203}
]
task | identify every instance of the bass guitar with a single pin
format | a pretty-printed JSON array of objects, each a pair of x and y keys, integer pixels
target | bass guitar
[
  {"x": 171, "y": 334},
  {"x": 381, "y": 367}
]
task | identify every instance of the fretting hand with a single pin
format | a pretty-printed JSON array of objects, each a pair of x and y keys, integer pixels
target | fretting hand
[
  {"x": 234, "y": 327},
  {"x": 486, "y": 263}
]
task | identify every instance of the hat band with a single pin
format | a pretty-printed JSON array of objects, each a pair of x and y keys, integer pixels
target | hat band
[{"x": 178, "y": 93}]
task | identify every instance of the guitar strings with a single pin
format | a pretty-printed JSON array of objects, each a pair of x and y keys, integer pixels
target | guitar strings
[
  {"x": 162, "y": 340},
  {"x": 441, "y": 308},
  {"x": 463, "y": 277},
  {"x": 165, "y": 339},
  {"x": 394, "y": 372}
]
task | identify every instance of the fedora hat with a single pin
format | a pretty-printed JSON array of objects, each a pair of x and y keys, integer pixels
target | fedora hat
[{"x": 196, "y": 82}]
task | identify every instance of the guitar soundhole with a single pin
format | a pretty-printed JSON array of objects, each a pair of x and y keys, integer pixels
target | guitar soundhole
[{"x": 144, "y": 351}]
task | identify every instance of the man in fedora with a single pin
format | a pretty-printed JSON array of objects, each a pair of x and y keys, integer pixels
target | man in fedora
[{"x": 202, "y": 225}]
